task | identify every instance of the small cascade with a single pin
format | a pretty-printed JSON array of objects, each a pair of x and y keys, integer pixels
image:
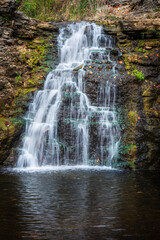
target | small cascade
[{"x": 65, "y": 126}]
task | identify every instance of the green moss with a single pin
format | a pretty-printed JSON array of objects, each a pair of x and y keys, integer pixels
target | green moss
[
  {"x": 141, "y": 43},
  {"x": 126, "y": 61},
  {"x": 2, "y": 123},
  {"x": 17, "y": 121},
  {"x": 34, "y": 53},
  {"x": 129, "y": 147},
  {"x": 10, "y": 121},
  {"x": 19, "y": 79},
  {"x": 138, "y": 74},
  {"x": 132, "y": 117},
  {"x": 7, "y": 18},
  {"x": 156, "y": 9},
  {"x": 68, "y": 95},
  {"x": 131, "y": 165},
  {"x": 113, "y": 17},
  {"x": 124, "y": 45},
  {"x": 140, "y": 50},
  {"x": 126, "y": 148},
  {"x": 24, "y": 91}
]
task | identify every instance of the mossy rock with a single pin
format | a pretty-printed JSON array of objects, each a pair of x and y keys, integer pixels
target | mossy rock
[{"x": 133, "y": 117}]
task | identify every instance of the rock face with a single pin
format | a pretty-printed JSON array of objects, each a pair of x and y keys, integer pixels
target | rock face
[
  {"x": 149, "y": 4},
  {"x": 138, "y": 39},
  {"x": 136, "y": 25},
  {"x": 24, "y": 44},
  {"x": 139, "y": 95},
  {"x": 135, "y": 4},
  {"x": 8, "y": 6}
]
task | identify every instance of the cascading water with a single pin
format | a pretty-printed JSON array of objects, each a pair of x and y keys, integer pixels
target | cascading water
[{"x": 63, "y": 127}]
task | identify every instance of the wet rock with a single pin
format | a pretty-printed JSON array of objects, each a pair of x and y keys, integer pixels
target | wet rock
[
  {"x": 46, "y": 26},
  {"x": 2, "y": 84},
  {"x": 20, "y": 73},
  {"x": 77, "y": 68},
  {"x": 146, "y": 4},
  {"x": 148, "y": 48}
]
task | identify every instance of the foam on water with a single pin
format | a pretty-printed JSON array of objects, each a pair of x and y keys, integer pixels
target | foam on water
[{"x": 62, "y": 168}]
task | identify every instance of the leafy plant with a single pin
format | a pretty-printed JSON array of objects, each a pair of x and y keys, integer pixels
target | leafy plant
[
  {"x": 138, "y": 74},
  {"x": 18, "y": 79},
  {"x": 141, "y": 50}
]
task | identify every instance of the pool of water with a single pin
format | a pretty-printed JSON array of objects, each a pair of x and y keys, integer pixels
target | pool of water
[{"x": 79, "y": 203}]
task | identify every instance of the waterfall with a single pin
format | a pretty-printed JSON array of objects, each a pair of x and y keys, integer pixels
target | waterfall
[{"x": 63, "y": 126}]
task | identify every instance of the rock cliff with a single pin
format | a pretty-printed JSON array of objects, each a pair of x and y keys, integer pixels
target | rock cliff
[
  {"x": 137, "y": 29},
  {"x": 24, "y": 44}
]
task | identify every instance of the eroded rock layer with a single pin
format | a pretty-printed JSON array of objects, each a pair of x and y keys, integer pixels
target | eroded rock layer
[
  {"x": 24, "y": 44},
  {"x": 138, "y": 39}
]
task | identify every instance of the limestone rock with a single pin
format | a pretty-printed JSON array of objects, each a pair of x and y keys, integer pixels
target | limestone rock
[
  {"x": 17, "y": 32},
  {"x": 8, "y": 6},
  {"x": 46, "y": 26}
]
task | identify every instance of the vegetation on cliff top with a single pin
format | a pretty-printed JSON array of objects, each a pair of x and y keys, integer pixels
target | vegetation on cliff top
[{"x": 60, "y": 9}]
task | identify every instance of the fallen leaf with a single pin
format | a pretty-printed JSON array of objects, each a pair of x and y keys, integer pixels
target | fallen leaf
[{"x": 7, "y": 123}]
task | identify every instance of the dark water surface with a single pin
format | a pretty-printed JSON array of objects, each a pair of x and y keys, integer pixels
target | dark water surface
[{"x": 79, "y": 204}]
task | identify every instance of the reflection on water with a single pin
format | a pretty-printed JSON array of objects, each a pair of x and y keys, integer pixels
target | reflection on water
[{"x": 79, "y": 204}]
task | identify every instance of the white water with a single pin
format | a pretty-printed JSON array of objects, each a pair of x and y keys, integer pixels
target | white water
[{"x": 58, "y": 123}]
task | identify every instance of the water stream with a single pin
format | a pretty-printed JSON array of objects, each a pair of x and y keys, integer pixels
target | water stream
[{"x": 60, "y": 119}]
